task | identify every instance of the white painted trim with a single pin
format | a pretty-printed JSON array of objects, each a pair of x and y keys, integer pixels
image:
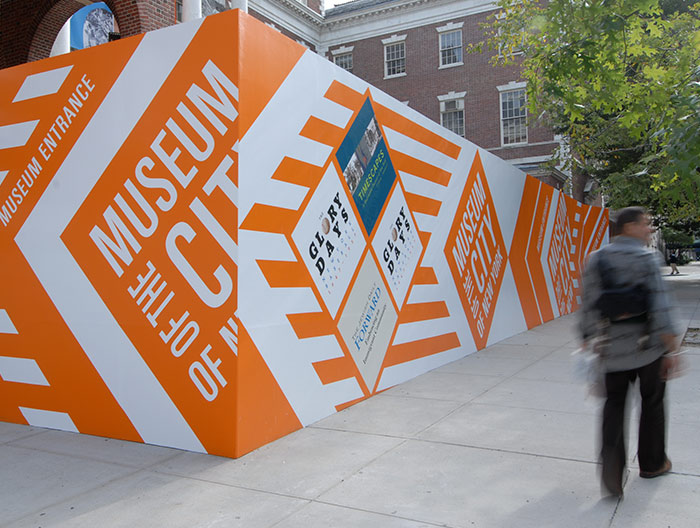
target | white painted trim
[
  {"x": 512, "y": 85},
  {"x": 394, "y": 39},
  {"x": 453, "y": 65},
  {"x": 451, "y": 96},
  {"x": 403, "y": 74},
  {"x": 450, "y": 26},
  {"x": 342, "y": 50},
  {"x": 403, "y": 16}
]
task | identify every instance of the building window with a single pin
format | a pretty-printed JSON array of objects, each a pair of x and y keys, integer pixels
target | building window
[
  {"x": 517, "y": 50},
  {"x": 513, "y": 116},
  {"x": 452, "y": 112},
  {"x": 178, "y": 10},
  {"x": 394, "y": 56},
  {"x": 344, "y": 61},
  {"x": 451, "y": 48},
  {"x": 343, "y": 57},
  {"x": 450, "y": 38}
]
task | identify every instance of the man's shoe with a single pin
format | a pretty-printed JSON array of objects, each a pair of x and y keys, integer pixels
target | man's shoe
[{"x": 665, "y": 468}]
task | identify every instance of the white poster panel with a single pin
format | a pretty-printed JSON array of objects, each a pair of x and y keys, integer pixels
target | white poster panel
[
  {"x": 397, "y": 245},
  {"x": 368, "y": 321},
  {"x": 330, "y": 240}
]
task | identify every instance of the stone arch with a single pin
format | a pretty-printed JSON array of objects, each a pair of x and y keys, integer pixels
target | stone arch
[
  {"x": 29, "y": 29},
  {"x": 49, "y": 26}
]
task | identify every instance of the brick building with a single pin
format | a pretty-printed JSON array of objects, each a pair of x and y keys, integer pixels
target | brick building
[{"x": 412, "y": 49}]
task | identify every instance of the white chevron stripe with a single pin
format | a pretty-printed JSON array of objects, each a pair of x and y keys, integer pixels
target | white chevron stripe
[
  {"x": 343, "y": 391},
  {"x": 6, "y": 326},
  {"x": 416, "y": 149},
  {"x": 425, "y": 329},
  {"x": 2, "y": 176},
  {"x": 21, "y": 370},
  {"x": 423, "y": 187},
  {"x": 119, "y": 364},
  {"x": 44, "y": 83},
  {"x": 50, "y": 419},
  {"x": 332, "y": 113},
  {"x": 410, "y": 369},
  {"x": 17, "y": 134}
]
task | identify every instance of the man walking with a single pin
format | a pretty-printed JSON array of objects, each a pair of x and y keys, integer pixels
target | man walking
[{"x": 626, "y": 313}]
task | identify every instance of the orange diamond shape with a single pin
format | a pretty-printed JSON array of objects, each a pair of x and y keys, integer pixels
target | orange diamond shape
[
  {"x": 561, "y": 265},
  {"x": 476, "y": 253}
]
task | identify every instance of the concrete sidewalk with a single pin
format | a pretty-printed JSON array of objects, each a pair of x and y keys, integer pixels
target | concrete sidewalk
[{"x": 503, "y": 438}]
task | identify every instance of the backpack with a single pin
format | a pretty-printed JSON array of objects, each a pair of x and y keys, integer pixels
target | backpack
[{"x": 617, "y": 304}]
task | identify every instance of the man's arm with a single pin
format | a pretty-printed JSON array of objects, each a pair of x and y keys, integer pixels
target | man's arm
[{"x": 588, "y": 314}]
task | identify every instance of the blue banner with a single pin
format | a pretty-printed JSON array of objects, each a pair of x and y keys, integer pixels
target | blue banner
[
  {"x": 367, "y": 169},
  {"x": 90, "y": 26}
]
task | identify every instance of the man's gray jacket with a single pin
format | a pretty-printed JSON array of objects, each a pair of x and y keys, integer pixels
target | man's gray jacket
[{"x": 630, "y": 263}]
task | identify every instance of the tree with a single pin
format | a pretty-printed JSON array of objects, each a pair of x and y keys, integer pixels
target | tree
[{"x": 620, "y": 80}]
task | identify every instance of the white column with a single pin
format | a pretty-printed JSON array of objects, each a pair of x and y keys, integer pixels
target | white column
[
  {"x": 62, "y": 43},
  {"x": 191, "y": 10},
  {"x": 239, "y": 4}
]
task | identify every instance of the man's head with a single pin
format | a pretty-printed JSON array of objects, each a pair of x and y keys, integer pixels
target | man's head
[{"x": 634, "y": 222}]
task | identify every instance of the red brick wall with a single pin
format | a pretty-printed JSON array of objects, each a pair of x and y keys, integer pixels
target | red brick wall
[
  {"x": 424, "y": 81},
  {"x": 139, "y": 16},
  {"x": 314, "y": 5},
  {"x": 50, "y": 25}
]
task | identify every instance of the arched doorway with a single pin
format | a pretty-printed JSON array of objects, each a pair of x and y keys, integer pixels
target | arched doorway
[{"x": 28, "y": 30}]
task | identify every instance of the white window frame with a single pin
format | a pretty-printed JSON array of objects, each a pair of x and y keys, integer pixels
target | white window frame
[
  {"x": 343, "y": 51},
  {"x": 450, "y": 103},
  {"x": 393, "y": 41},
  {"x": 451, "y": 27},
  {"x": 505, "y": 89},
  {"x": 500, "y": 16}
]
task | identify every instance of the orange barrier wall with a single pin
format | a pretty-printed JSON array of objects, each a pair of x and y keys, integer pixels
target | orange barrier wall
[{"x": 211, "y": 237}]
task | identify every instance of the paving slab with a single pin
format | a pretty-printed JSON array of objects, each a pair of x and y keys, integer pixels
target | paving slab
[
  {"x": 31, "y": 480},
  {"x": 390, "y": 415},
  {"x": 668, "y": 501},
  {"x": 320, "y": 515},
  {"x": 466, "y": 487},
  {"x": 11, "y": 431},
  {"x": 539, "y": 432},
  {"x": 551, "y": 370},
  {"x": 157, "y": 500},
  {"x": 528, "y": 352},
  {"x": 97, "y": 448},
  {"x": 538, "y": 394},
  {"x": 449, "y": 386},
  {"x": 486, "y": 365},
  {"x": 303, "y": 464}
]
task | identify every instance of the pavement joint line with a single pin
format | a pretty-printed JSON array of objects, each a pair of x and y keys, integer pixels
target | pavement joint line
[
  {"x": 431, "y": 523},
  {"x": 24, "y": 437},
  {"x": 508, "y": 451},
  {"x": 363, "y": 466},
  {"x": 614, "y": 513},
  {"x": 92, "y": 458},
  {"x": 164, "y": 471},
  {"x": 296, "y": 511},
  {"x": 455, "y": 444}
]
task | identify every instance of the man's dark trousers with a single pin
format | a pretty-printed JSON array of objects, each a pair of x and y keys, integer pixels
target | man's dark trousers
[{"x": 652, "y": 423}]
